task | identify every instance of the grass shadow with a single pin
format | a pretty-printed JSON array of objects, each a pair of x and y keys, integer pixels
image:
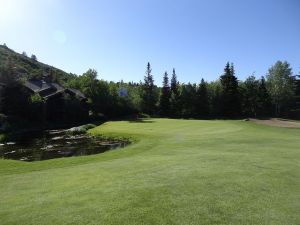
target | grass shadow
[
  {"x": 141, "y": 121},
  {"x": 134, "y": 119}
]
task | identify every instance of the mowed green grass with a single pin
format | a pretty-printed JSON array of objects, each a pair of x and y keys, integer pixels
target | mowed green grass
[{"x": 177, "y": 172}]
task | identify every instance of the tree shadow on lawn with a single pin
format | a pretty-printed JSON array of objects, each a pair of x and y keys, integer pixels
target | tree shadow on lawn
[
  {"x": 134, "y": 119},
  {"x": 141, "y": 121}
]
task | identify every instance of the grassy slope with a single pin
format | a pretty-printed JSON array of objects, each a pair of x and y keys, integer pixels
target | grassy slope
[
  {"x": 179, "y": 172},
  {"x": 26, "y": 67}
]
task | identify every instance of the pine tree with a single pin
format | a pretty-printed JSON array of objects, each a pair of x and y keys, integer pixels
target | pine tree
[
  {"x": 295, "y": 109},
  {"x": 175, "y": 96},
  {"x": 164, "y": 102},
  {"x": 230, "y": 92},
  {"x": 264, "y": 99},
  {"x": 174, "y": 83},
  {"x": 215, "y": 97},
  {"x": 231, "y": 69},
  {"x": 202, "y": 102},
  {"x": 188, "y": 99},
  {"x": 148, "y": 92}
]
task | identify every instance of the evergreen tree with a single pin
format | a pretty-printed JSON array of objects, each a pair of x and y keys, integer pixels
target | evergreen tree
[
  {"x": 188, "y": 99},
  {"x": 164, "y": 102},
  {"x": 264, "y": 100},
  {"x": 148, "y": 92},
  {"x": 24, "y": 53},
  {"x": 33, "y": 57},
  {"x": 295, "y": 109},
  {"x": 8, "y": 73},
  {"x": 232, "y": 71},
  {"x": 230, "y": 92},
  {"x": 202, "y": 102},
  {"x": 13, "y": 95},
  {"x": 174, "y": 83},
  {"x": 215, "y": 98},
  {"x": 175, "y": 96},
  {"x": 8, "y": 79}
]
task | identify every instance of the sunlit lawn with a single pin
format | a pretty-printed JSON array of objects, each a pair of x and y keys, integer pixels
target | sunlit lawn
[{"x": 177, "y": 172}]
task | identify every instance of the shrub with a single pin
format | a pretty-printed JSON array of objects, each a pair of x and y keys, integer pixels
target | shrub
[
  {"x": 89, "y": 126},
  {"x": 80, "y": 130},
  {"x": 2, "y": 137},
  {"x": 143, "y": 115}
]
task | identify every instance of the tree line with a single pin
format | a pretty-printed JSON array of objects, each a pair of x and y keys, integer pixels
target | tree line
[{"x": 277, "y": 94}]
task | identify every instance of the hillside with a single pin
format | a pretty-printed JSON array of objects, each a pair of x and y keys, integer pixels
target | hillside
[{"x": 25, "y": 67}]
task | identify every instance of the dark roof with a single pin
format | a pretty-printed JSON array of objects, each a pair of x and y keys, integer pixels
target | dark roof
[
  {"x": 75, "y": 92},
  {"x": 36, "y": 85},
  {"x": 48, "y": 90},
  {"x": 44, "y": 89}
]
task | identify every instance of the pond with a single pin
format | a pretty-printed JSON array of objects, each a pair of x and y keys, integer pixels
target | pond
[{"x": 36, "y": 146}]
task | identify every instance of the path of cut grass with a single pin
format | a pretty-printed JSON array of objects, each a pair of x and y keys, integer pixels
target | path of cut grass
[{"x": 177, "y": 172}]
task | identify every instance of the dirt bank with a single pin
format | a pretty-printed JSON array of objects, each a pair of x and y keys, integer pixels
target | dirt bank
[{"x": 276, "y": 122}]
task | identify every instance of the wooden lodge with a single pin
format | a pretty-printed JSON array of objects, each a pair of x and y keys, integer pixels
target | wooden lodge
[{"x": 60, "y": 103}]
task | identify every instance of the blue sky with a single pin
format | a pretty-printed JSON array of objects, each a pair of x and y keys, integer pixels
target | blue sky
[{"x": 119, "y": 37}]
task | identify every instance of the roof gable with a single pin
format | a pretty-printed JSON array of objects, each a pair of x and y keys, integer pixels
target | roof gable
[{"x": 47, "y": 89}]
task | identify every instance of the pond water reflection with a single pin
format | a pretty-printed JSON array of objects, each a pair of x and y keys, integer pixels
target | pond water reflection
[{"x": 35, "y": 146}]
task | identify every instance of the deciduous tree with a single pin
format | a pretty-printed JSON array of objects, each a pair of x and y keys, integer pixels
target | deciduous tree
[{"x": 280, "y": 85}]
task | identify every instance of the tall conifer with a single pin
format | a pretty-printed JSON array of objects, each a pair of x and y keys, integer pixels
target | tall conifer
[
  {"x": 175, "y": 95},
  {"x": 202, "y": 102},
  {"x": 164, "y": 102},
  {"x": 230, "y": 92},
  {"x": 148, "y": 92}
]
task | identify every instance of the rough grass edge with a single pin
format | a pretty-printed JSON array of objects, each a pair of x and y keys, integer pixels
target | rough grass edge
[{"x": 114, "y": 136}]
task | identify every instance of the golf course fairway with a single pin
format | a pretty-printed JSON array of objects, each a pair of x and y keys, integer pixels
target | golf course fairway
[{"x": 175, "y": 172}]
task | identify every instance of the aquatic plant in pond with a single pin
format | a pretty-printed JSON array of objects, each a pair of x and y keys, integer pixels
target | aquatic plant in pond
[{"x": 56, "y": 144}]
